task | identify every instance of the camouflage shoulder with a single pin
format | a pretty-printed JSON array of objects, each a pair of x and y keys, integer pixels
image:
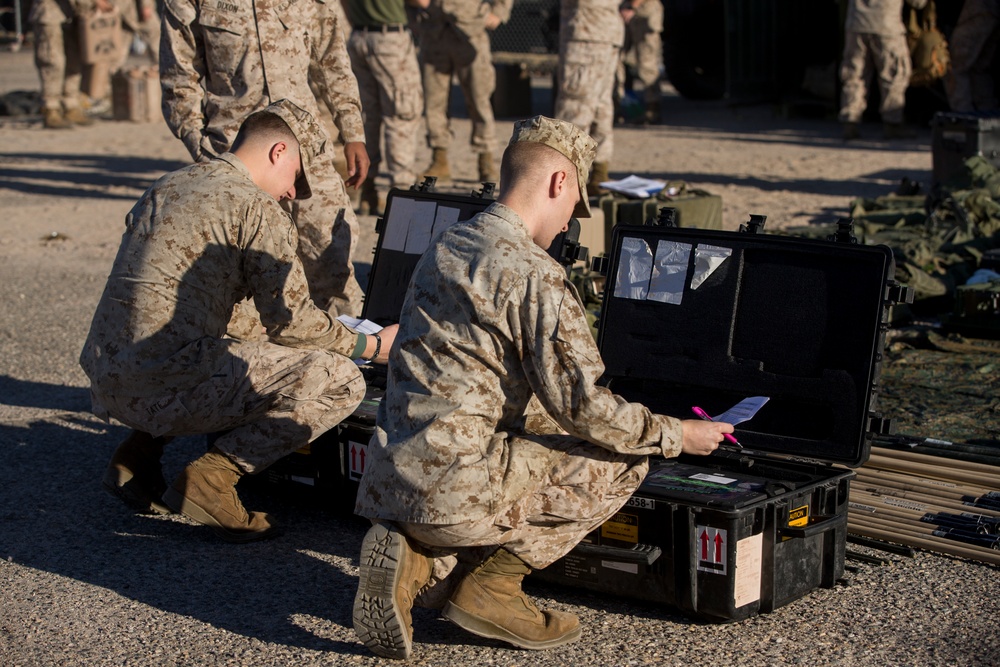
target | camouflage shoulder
[{"x": 184, "y": 11}]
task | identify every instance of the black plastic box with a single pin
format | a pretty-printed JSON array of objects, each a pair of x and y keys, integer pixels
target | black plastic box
[
  {"x": 959, "y": 136},
  {"x": 707, "y": 318}
]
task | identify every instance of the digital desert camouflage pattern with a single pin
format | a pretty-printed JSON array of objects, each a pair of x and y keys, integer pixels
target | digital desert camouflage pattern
[
  {"x": 644, "y": 46},
  {"x": 973, "y": 45},
  {"x": 489, "y": 323},
  {"x": 591, "y": 34},
  {"x": 875, "y": 44},
  {"x": 453, "y": 40},
  {"x": 197, "y": 242},
  {"x": 392, "y": 94},
  {"x": 878, "y": 17},
  {"x": 569, "y": 140},
  {"x": 220, "y": 60},
  {"x": 57, "y": 52}
]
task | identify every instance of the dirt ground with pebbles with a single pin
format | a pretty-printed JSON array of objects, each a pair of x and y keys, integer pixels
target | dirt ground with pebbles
[{"x": 84, "y": 582}]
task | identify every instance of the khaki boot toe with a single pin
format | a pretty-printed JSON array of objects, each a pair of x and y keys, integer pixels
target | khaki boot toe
[
  {"x": 205, "y": 491},
  {"x": 490, "y": 603},
  {"x": 78, "y": 117}
]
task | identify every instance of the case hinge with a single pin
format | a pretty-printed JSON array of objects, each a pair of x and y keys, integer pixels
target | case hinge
[
  {"x": 427, "y": 185},
  {"x": 486, "y": 192},
  {"x": 879, "y": 425},
  {"x": 667, "y": 217},
  {"x": 600, "y": 264},
  {"x": 754, "y": 225},
  {"x": 844, "y": 233}
]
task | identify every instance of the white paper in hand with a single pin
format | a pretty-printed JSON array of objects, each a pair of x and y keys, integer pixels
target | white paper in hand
[{"x": 743, "y": 410}]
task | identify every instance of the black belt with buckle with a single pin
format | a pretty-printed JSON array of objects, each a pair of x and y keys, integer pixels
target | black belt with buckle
[{"x": 381, "y": 28}]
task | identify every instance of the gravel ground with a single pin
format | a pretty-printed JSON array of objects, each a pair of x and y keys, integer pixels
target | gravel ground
[{"x": 83, "y": 582}]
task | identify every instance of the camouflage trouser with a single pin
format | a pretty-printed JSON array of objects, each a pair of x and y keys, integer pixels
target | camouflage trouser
[
  {"x": 328, "y": 231},
  {"x": 582, "y": 487},
  {"x": 586, "y": 88},
  {"x": 60, "y": 67},
  {"x": 469, "y": 59},
  {"x": 270, "y": 400},
  {"x": 973, "y": 44},
  {"x": 388, "y": 74},
  {"x": 885, "y": 56},
  {"x": 644, "y": 49}
]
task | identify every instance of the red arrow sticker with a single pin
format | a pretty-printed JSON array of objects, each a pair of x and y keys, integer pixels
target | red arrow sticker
[{"x": 711, "y": 549}]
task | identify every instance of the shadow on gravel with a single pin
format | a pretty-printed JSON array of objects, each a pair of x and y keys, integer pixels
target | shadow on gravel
[
  {"x": 81, "y": 175},
  {"x": 28, "y": 394},
  {"x": 58, "y": 519}
]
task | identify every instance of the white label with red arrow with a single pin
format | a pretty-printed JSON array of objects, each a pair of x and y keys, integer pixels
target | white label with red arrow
[
  {"x": 711, "y": 549},
  {"x": 357, "y": 453}
]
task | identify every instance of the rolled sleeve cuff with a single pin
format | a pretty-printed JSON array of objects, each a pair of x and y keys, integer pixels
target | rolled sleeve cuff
[{"x": 671, "y": 436}]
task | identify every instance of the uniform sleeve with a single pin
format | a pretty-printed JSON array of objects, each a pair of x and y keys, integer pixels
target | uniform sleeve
[
  {"x": 332, "y": 73},
  {"x": 278, "y": 285},
  {"x": 502, "y": 9},
  {"x": 182, "y": 68},
  {"x": 563, "y": 366}
]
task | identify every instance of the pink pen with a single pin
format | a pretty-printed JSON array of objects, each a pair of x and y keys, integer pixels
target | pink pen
[{"x": 704, "y": 415}]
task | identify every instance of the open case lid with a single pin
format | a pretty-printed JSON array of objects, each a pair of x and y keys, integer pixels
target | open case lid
[
  {"x": 704, "y": 318},
  {"x": 412, "y": 219}
]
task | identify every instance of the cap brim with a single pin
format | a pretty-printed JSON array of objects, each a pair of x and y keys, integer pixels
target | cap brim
[
  {"x": 302, "y": 189},
  {"x": 582, "y": 209}
]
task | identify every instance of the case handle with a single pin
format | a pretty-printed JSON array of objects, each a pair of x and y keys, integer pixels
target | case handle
[{"x": 821, "y": 525}]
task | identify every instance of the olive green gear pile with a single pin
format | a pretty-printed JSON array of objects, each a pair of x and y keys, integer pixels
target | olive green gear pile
[{"x": 938, "y": 240}]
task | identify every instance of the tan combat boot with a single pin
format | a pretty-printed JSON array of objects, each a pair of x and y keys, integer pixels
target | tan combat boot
[
  {"x": 78, "y": 117},
  {"x": 488, "y": 172},
  {"x": 439, "y": 165},
  {"x": 490, "y": 603},
  {"x": 134, "y": 474},
  {"x": 205, "y": 491},
  {"x": 392, "y": 573},
  {"x": 369, "y": 203},
  {"x": 55, "y": 120},
  {"x": 598, "y": 174}
]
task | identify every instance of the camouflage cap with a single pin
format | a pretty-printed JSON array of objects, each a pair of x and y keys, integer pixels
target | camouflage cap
[
  {"x": 312, "y": 142},
  {"x": 569, "y": 140}
]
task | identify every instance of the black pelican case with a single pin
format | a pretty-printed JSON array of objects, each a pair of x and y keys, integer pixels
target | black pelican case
[{"x": 707, "y": 318}]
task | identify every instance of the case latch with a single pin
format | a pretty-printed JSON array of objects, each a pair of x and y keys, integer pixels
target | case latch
[
  {"x": 844, "y": 233},
  {"x": 898, "y": 293},
  {"x": 486, "y": 192},
  {"x": 599, "y": 264},
  {"x": 754, "y": 225}
]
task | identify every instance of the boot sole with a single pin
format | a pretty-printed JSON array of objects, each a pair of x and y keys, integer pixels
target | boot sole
[
  {"x": 180, "y": 504},
  {"x": 377, "y": 621},
  {"x": 485, "y": 628},
  {"x": 122, "y": 485}
]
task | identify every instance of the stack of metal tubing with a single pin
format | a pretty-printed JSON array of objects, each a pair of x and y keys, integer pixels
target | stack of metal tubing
[{"x": 940, "y": 504}]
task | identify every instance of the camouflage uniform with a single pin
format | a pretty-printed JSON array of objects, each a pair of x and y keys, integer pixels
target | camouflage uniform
[
  {"x": 466, "y": 453},
  {"x": 644, "y": 43},
  {"x": 591, "y": 34},
  {"x": 57, "y": 52},
  {"x": 392, "y": 95},
  {"x": 221, "y": 60},
  {"x": 453, "y": 41},
  {"x": 875, "y": 42},
  {"x": 200, "y": 240},
  {"x": 973, "y": 45}
]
